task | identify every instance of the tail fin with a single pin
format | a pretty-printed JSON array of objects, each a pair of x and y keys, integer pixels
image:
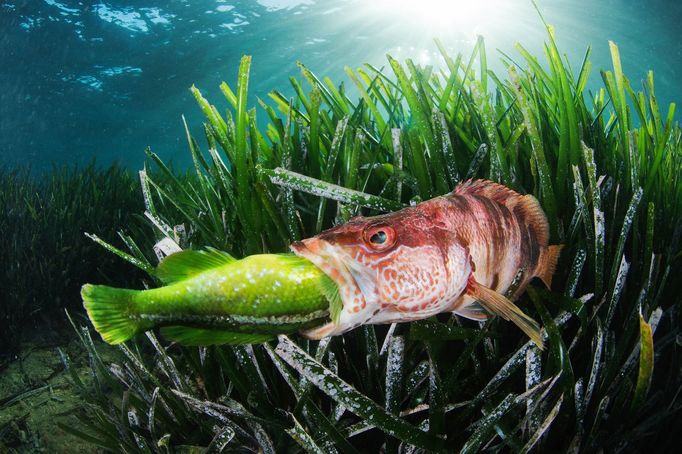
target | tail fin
[
  {"x": 109, "y": 310},
  {"x": 547, "y": 264}
]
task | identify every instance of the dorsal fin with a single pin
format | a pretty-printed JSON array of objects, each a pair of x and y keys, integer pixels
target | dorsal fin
[
  {"x": 535, "y": 216},
  {"x": 182, "y": 265},
  {"x": 527, "y": 205},
  {"x": 486, "y": 188}
]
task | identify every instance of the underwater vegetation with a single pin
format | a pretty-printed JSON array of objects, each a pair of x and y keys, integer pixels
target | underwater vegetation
[
  {"x": 44, "y": 254},
  {"x": 465, "y": 253},
  {"x": 606, "y": 168}
]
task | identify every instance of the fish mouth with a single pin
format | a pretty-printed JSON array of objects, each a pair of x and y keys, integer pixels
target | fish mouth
[{"x": 356, "y": 282}]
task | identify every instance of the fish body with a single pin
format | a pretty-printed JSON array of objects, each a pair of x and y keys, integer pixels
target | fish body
[
  {"x": 458, "y": 253},
  {"x": 210, "y": 297}
]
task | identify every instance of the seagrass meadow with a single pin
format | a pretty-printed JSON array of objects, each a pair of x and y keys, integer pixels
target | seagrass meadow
[
  {"x": 605, "y": 164},
  {"x": 44, "y": 253},
  {"x": 606, "y": 167}
]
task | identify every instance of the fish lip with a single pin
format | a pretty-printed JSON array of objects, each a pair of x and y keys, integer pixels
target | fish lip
[{"x": 334, "y": 263}]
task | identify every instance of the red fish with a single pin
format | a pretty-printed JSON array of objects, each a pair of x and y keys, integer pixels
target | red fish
[{"x": 458, "y": 253}]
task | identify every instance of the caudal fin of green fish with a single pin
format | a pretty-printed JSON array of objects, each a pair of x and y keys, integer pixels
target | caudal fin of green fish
[{"x": 108, "y": 309}]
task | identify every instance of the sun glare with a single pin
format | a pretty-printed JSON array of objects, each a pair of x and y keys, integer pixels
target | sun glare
[{"x": 440, "y": 13}]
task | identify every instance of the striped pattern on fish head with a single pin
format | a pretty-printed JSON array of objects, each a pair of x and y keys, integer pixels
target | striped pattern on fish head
[{"x": 391, "y": 268}]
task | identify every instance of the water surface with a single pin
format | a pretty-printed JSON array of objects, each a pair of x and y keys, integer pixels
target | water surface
[{"x": 83, "y": 80}]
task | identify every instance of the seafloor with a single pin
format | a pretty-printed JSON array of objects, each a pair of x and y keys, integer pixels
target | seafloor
[{"x": 36, "y": 395}]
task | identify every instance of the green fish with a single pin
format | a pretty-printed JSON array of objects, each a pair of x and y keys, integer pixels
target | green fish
[{"x": 212, "y": 298}]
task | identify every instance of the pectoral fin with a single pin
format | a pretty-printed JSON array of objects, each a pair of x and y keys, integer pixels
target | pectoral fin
[
  {"x": 321, "y": 331},
  {"x": 497, "y": 304},
  {"x": 330, "y": 290},
  {"x": 473, "y": 311}
]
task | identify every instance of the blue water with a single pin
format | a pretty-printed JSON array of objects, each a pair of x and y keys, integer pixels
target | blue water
[{"x": 82, "y": 80}]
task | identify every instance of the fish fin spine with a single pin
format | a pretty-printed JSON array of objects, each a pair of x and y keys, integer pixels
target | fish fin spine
[
  {"x": 183, "y": 265},
  {"x": 498, "y": 304},
  {"x": 535, "y": 216},
  {"x": 317, "y": 333},
  {"x": 473, "y": 311},
  {"x": 486, "y": 188},
  {"x": 547, "y": 264},
  {"x": 528, "y": 205},
  {"x": 109, "y": 311}
]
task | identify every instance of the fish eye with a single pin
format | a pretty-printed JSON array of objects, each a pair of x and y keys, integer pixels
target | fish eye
[{"x": 379, "y": 237}]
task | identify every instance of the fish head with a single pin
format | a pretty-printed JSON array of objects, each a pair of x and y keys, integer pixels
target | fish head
[{"x": 390, "y": 268}]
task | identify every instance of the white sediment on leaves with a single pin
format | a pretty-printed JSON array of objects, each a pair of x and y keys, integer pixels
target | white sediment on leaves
[
  {"x": 617, "y": 290},
  {"x": 166, "y": 247},
  {"x": 215, "y": 410},
  {"x": 533, "y": 375},
  {"x": 545, "y": 425},
  {"x": 599, "y": 226},
  {"x": 654, "y": 319},
  {"x": 345, "y": 394},
  {"x": 576, "y": 270},
  {"x": 387, "y": 339},
  {"x": 303, "y": 183},
  {"x": 117, "y": 371},
  {"x": 596, "y": 366},
  {"x": 482, "y": 426},
  {"x": 515, "y": 361},
  {"x": 394, "y": 372},
  {"x": 578, "y": 393},
  {"x": 164, "y": 228},
  {"x": 476, "y": 161},
  {"x": 167, "y": 365},
  {"x": 135, "y": 360},
  {"x": 298, "y": 433},
  {"x": 398, "y": 157}
]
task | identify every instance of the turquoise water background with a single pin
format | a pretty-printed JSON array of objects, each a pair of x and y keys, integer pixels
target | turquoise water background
[{"x": 82, "y": 80}]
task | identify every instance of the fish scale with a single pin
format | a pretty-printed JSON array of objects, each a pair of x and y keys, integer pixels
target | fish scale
[
  {"x": 212, "y": 298},
  {"x": 460, "y": 253},
  {"x": 457, "y": 253}
]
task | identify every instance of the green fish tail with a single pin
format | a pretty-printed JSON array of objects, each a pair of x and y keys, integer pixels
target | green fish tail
[{"x": 109, "y": 309}]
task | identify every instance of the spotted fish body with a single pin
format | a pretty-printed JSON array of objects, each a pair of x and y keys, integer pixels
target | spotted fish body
[
  {"x": 459, "y": 253},
  {"x": 212, "y": 298}
]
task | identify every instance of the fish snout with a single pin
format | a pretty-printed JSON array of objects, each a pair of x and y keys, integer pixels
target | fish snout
[
  {"x": 297, "y": 246},
  {"x": 309, "y": 245}
]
